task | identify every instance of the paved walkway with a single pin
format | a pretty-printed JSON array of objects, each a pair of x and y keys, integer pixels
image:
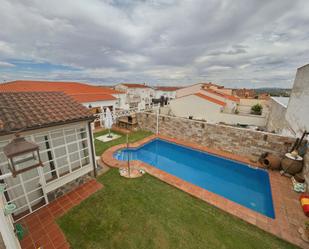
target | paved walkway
[
  {"x": 43, "y": 232},
  {"x": 289, "y": 215}
]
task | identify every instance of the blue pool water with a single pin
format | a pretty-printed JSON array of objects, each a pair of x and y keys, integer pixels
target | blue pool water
[{"x": 238, "y": 182}]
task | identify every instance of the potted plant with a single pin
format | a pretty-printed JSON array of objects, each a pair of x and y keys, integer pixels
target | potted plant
[{"x": 256, "y": 109}]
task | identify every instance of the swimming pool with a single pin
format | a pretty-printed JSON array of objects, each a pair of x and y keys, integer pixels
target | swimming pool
[{"x": 238, "y": 182}]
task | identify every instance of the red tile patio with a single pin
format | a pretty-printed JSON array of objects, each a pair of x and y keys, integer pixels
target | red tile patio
[
  {"x": 288, "y": 212},
  {"x": 42, "y": 230}
]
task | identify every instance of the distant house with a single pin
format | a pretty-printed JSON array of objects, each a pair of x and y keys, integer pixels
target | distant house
[
  {"x": 137, "y": 95},
  {"x": 88, "y": 95},
  {"x": 198, "y": 106},
  {"x": 244, "y": 93},
  {"x": 61, "y": 128},
  {"x": 215, "y": 104},
  {"x": 201, "y": 86},
  {"x": 166, "y": 91}
]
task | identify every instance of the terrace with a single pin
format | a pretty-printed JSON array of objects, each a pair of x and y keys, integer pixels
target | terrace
[{"x": 161, "y": 210}]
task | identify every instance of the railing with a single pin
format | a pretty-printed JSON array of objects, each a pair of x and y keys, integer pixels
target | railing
[{"x": 122, "y": 113}]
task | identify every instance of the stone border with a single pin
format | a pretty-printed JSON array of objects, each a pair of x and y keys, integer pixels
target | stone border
[{"x": 283, "y": 226}]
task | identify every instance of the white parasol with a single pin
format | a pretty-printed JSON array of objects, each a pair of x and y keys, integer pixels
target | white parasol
[{"x": 108, "y": 121}]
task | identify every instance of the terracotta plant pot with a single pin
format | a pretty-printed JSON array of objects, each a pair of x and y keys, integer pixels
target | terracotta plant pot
[{"x": 272, "y": 161}]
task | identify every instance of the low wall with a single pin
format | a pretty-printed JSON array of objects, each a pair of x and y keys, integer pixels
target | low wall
[
  {"x": 70, "y": 186},
  {"x": 248, "y": 119},
  {"x": 239, "y": 141}
]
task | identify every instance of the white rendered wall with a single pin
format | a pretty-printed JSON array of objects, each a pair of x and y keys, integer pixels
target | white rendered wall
[
  {"x": 205, "y": 110},
  {"x": 169, "y": 94},
  {"x": 104, "y": 103},
  {"x": 188, "y": 90},
  {"x": 197, "y": 107},
  {"x": 297, "y": 114}
]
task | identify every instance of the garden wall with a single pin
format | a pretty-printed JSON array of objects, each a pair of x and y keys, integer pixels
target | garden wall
[
  {"x": 239, "y": 141},
  {"x": 306, "y": 168}
]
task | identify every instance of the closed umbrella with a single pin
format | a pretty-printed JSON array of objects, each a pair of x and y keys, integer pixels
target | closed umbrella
[{"x": 108, "y": 121}]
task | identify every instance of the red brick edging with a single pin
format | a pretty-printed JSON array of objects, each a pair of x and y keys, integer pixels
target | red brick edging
[{"x": 289, "y": 215}]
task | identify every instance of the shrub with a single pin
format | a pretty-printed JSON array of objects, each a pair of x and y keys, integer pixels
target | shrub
[{"x": 257, "y": 109}]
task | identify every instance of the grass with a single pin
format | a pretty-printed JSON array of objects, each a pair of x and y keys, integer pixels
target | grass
[
  {"x": 100, "y": 147},
  {"x": 145, "y": 213}
]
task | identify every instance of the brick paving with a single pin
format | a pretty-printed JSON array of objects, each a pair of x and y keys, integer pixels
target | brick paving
[
  {"x": 42, "y": 230},
  {"x": 288, "y": 212}
]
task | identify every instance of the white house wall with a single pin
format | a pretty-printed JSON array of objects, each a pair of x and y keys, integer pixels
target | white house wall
[
  {"x": 169, "y": 94},
  {"x": 202, "y": 109},
  {"x": 146, "y": 94},
  {"x": 298, "y": 107},
  {"x": 121, "y": 101},
  {"x": 104, "y": 103},
  {"x": 196, "y": 107}
]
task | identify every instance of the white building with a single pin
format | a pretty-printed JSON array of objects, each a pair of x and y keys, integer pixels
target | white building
[
  {"x": 137, "y": 95},
  {"x": 61, "y": 128},
  {"x": 204, "y": 107},
  {"x": 201, "y": 86},
  {"x": 165, "y": 91}
]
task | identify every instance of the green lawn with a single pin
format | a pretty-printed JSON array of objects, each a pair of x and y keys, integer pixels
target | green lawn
[
  {"x": 100, "y": 147},
  {"x": 146, "y": 213}
]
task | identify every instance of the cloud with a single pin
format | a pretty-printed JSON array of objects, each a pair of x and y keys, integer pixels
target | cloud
[
  {"x": 6, "y": 64},
  {"x": 233, "y": 42}
]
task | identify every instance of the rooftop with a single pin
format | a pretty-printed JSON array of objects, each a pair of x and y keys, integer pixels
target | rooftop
[
  {"x": 213, "y": 100},
  {"x": 223, "y": 95},
  {"x": 33, "y": 110},
  {"x": 167, "y": 88},
  {"x": 135, "y": 85},
  {"x": 70, "y": 88},
  {"x": 284, "y": 101},
  {"x": 92, "y": 97}
]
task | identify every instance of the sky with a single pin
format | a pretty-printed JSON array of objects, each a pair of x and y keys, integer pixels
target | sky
[{"x": 236, "y": 43}]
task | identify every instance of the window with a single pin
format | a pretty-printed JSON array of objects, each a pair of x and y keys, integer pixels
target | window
[{"x": 63, "y": 151}]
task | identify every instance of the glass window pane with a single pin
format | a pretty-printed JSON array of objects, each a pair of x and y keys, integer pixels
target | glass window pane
[
  {"x": 75, "y": 165},
  {"x": 85, "y": 161},
  {"x": 59, "y": 152},
  {"x": 72, "y": 147},
  {"x": 61, "y": 161}
]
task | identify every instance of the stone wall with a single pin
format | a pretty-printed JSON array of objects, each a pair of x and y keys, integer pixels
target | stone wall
[
  {"x": 67, "y": 187},
  {"x": 306, "y": 168},
  {"x": 239, "y": 141}
]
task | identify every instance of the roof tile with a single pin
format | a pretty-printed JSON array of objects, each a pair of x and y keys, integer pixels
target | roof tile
[
  {"x": 33, "y": 110},
  {"x": 213, "y": 100},
  {"x": 70, "y": 88}
]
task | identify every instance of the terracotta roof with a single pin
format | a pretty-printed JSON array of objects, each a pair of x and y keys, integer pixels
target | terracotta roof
[
  {"x": 216, "y": 101},
  {"x": 209, "y": 84},
  {"x": 70, "y": 88},
  {"x": 223, "y": 95},
  {"x": 91, "y": 97},
  {"x": 133, "y": 85},
  {"x": 34, "y": 110},
  {"x": 244, "y": 93},
  {"x": 167, "y": 88}
]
